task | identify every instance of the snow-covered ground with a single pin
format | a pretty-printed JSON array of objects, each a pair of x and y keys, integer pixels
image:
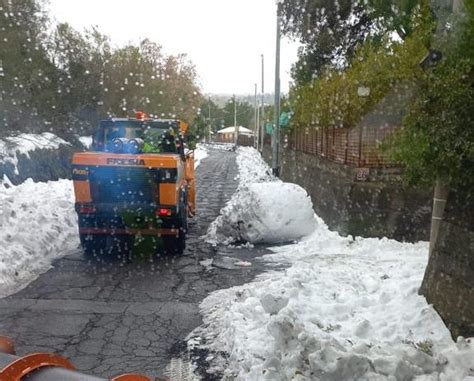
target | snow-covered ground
[
  {"x": 37, "y": 224},
  {"x": 10, "y": 147},
  {"x": 343, "y": 309}
]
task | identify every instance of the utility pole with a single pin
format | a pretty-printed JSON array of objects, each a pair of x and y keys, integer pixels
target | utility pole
[
  {"x": 262, "y": 132},
  {"x": 256, "y": 115},
  {"x": 209, "y": 139},
  {"x": 236, "y": 129},
  {"x": 258, "y": 125},
  {"x": 276, "y": 127}
]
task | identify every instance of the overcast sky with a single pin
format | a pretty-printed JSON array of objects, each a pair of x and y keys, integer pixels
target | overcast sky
[{"x": 223, "y": 38}]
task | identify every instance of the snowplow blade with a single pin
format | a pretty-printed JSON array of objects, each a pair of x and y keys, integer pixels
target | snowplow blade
[{"x": 47, "y": 367}]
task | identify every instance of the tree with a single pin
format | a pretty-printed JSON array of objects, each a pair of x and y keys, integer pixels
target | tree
[
  {"x": 80, "y": 59},
  {"x": 394, "y": 16},
  {"x": 436, "y": 145},
  {"x": 437, "y": 138},
  {"x": 27, "y": 76},
  {"x": 143, "y": 78},
  {"x": 245, "y": 113},
  {"x": 64, "y": 81},
  {"x": 328, "y": 30},
  {"x": 331, "y": 31},
  {"x": 200, "y": 127}
]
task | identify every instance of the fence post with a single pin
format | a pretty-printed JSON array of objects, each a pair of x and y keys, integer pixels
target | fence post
[
  {"x": 316, "y": 136},
  {"x": 327, "y": 142},
  {"x": 347, "y": 146},
  {"x": 333, "y": 150},
  {"x": 322, "y": 142}
]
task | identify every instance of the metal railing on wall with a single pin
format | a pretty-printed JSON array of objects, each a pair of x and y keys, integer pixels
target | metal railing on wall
[{"x": 359, "y": 146}]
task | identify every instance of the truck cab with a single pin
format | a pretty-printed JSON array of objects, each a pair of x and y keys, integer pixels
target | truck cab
[{"x": 135, "y": 189}]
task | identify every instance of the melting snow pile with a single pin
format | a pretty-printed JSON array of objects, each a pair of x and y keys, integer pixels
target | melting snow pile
[
  {"x": 263, "y": 209},
  {"x": 10, "y": 147},
  {"x": 37, "y": 224},
  {"x": 344, "y": 309}
]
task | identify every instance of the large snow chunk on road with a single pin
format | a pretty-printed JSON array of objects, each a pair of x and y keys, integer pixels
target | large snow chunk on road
[
  {"x": 264, "y": 209},
  {"x": 269, "y": 212}
]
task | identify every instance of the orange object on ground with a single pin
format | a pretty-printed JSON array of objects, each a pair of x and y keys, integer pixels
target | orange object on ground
[
  {"x": 131, "y": 377},
  {"x": 47, "y": 366},
  {"x": 23, "y": 366},
  {"x": 6, "y": 345}
]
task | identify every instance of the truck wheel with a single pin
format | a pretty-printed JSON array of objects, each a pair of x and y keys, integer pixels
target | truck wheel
[
  {"x": 94, "y": 246},
  {"x": 175, "y": 245}
]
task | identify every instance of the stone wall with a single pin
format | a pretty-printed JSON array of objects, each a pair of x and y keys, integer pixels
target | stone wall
[
  {"x": 40, "y": 165},
  {"x": 379, "y": 206},
  {"x": 449, "y": 279}
]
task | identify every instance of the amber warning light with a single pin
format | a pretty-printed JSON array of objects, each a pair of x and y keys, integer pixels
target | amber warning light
[{"x": 140, "y": 115}]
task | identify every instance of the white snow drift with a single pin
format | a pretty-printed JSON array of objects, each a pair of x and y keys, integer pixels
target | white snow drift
[
  {"x": 86, "y": 141},
  {"x": 37, "y": 224},
  {"x": 343, "y": 309},
  {"x": 10, "y": 147},
  {"x": 200, "y": 153},
  {"x": 263, "y": 209}
]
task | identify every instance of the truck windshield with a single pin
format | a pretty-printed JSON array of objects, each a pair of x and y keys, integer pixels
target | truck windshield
[{"x": 158, "y": 137}]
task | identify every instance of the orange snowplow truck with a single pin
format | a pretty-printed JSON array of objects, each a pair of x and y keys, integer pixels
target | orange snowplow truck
[{"x": 136, "y": 188}]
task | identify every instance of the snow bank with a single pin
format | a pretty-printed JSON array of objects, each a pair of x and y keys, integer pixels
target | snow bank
[
  {"x": 200, "y": 153},
  {"x": 37, "y": 224},
  {"x": 86, "y": 141},
  {"x": 351, "y": 312},
  {"x": 10, "y": 147},
  {"x": 263, "y": 209},
  {"x": 343, "y": 309}
]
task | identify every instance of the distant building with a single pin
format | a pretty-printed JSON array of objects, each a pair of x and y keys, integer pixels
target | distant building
[{"x": 227, "y": 135}]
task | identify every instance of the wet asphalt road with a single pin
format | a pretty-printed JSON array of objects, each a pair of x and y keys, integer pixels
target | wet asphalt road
[{"x": 114, "y": 318}]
